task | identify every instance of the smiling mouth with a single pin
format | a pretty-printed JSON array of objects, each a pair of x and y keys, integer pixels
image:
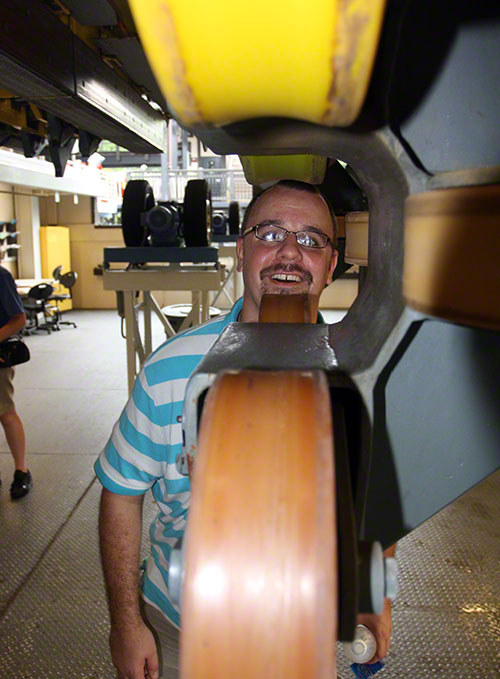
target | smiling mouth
[{"x": 286, "y": 278}]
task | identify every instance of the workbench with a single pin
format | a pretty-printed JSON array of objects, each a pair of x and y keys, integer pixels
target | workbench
[{"x": 200, "y": 278}]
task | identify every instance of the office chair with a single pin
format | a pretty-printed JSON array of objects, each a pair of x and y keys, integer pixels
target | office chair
[
  {"x": 67, "y": 280},
  {"x": 56, "y": 274},
  {"x": 36, "y": 303}
]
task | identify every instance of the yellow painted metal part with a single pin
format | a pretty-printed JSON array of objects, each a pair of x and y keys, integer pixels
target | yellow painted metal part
[
  {"x": 262, "y": 169},
  {"x": 224, "y": 61}
]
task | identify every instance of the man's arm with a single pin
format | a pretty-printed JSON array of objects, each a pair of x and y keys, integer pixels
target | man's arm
[
  {"x": 380, "y": 625},
  {"x": 132, "y": 644},
  {"x": 13, "y": 325}
]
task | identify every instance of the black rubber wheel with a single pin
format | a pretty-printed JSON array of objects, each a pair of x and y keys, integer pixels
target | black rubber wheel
[
  {"x": 197, "y": 213},
  {"x": 234, "y": 217},
  {"x": 137, "y": 198}
]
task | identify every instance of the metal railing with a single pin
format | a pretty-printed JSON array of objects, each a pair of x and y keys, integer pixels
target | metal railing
[{"x": 226, "y": 185}]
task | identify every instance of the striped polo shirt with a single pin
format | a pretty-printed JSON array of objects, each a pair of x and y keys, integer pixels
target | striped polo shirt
[{"x": 145, "y": 442}]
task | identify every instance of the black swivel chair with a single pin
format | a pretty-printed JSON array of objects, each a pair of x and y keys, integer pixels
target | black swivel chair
[
  {"x": 67, "y": 280},
  {"x": 56, "y": 274},
  {"x": 37, "y": 303}
]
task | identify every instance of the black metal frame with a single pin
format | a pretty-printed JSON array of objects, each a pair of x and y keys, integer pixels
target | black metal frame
[
  {"x": 43, "y": 62},
  {"x": 378, "y": 330},
  {"x": 172, "y": 255}
]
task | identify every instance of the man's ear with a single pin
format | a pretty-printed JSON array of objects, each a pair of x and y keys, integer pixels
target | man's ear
[
  {"x": 239, "y": 253},
  {"x": 331, "y": 267}
]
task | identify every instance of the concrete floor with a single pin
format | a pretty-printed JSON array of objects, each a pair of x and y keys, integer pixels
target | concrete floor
[{"x": 53, "y": 618}]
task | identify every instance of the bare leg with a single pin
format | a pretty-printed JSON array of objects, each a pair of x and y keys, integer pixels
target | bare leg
[{"x": 16, "y": 440}]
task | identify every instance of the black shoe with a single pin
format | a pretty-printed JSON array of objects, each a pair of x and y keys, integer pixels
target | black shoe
[{"x": 21, "y": 485}]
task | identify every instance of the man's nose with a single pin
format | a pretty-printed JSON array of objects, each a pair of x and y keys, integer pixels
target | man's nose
[{"x": 289, "y": 248}]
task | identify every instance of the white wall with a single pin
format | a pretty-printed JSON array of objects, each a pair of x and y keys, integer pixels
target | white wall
[{"x": 27, "y": 213}]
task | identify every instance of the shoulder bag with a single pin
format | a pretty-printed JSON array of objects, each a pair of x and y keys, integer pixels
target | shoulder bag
[{"x": 12, "y": 352}]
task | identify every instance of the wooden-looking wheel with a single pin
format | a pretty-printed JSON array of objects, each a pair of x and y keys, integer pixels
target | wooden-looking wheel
[
  {"x": 452, "y": 249},
  {"x": 288, "y": 308},
  {"x": 260, "y": 590},
  {"x": 356, "y": 238}
]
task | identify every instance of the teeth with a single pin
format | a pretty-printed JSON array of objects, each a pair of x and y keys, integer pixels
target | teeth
[{"x": 286, "y": 277}]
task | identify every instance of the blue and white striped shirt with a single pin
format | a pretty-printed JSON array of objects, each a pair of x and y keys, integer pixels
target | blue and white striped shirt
[{"x": 145, "y": 442}]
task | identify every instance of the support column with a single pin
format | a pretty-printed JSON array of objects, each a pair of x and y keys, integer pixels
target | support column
[
  {"x": 128, "y": 304},
  {"x": 165, "y": 184},
  {"x": 184, "y": 137},
  {"x": 172, "y": 157},
  {"x": 172, "y": 144}
]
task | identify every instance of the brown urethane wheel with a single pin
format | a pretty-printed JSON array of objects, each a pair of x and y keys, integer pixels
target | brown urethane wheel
[
  {"x": 452, "y": 249},
  {"x": 288, "y": 308},
  {"x": 260, "y": 591}
]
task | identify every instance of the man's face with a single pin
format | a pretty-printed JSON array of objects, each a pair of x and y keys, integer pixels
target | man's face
[{"x": 264, "y": 265}]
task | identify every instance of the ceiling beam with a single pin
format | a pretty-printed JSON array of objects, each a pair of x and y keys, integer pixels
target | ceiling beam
[{"x": 43, "y": 62}]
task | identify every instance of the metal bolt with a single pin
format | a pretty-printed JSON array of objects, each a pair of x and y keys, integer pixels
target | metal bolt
[{"x": 181, "y": 464}]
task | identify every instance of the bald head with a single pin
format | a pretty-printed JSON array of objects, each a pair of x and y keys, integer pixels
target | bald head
[{"x": 293, "y": 185}]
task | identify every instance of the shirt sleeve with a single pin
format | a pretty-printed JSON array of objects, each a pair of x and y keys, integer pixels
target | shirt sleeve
[
  {"x": 9, "y": 298},
  {"x": 136, "y": 455}
]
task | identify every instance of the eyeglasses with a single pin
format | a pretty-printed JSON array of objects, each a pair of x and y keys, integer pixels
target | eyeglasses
[{"x": 270, "y": 233}]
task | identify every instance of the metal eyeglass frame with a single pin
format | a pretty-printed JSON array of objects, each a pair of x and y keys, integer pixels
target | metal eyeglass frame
[{"x": 295, "y": 233}]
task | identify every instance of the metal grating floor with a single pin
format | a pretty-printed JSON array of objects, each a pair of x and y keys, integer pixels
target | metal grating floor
[{"x": 53, "y": 618}]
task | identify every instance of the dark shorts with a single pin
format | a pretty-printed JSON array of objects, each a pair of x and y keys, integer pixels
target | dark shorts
[{"x": 6, "y": 390}]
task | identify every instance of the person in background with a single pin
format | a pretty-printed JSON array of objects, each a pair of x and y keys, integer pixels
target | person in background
[{"x": 12, "y": 320}]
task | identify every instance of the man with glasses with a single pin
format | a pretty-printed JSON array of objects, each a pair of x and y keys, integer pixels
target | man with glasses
[{"x": 287, "y": 247}]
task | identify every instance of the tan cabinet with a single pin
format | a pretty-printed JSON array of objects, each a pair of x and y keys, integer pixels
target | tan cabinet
[{"x": 87, "y": 245}]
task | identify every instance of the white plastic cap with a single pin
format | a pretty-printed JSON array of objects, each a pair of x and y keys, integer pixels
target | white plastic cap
[
  {"x": 359, "y": 647},
  {"x": 362, "y": 648}
]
